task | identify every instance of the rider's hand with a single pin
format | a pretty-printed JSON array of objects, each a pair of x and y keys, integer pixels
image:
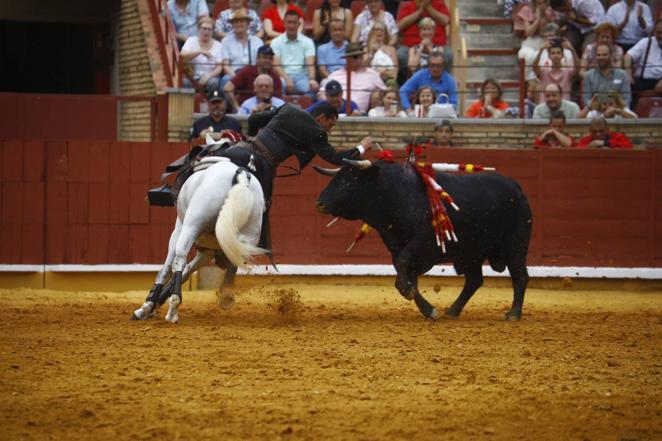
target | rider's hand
[{"x": 367, "y": 143}]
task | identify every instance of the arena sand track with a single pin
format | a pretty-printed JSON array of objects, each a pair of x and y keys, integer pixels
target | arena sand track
[{"x": 345, "y": 362}]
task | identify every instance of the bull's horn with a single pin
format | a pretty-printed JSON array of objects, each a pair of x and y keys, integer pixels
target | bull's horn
[
  {"x": 326, "y": 171},
  {"x": 362, "y": 164}
]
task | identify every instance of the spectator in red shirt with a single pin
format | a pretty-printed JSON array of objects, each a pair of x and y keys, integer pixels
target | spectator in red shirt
[
  {"x": 601, "y": 137},
  {"x": 272, "y": 18},
  {"x": 410, "y": 14},
  {"x": 554, "y": 136},
  {"x": 490, "y": 104},
  {"x": 240, "y": 87}
]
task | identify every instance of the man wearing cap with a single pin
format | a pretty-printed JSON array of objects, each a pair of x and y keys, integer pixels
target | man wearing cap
[
  {"x": 330, "y": 55},
  {"x": 239, "y": 49},
  {"x": 240, "y": 87},
  {"x": 263, "y": 99},
  {"x": 217, "y": 121},
  {"x": 333, "y": 92},
  {"x": 364, "y": 79},
  {"x": 295, "y": 57}
]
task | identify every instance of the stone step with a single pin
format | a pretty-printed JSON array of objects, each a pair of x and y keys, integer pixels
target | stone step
[
  {"x": 479, "y": 9},
  {"x": 468, "y": 27},
  {"x": 490, "y": 41}
]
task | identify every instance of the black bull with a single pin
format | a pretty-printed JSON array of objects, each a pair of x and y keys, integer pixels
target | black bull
[{"x": 494, "y": 224}]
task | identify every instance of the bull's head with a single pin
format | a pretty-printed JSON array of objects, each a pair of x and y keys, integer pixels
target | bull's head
[{"x": 351, "y": 190}]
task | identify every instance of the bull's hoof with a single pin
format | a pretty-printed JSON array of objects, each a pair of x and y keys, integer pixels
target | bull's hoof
[
  {"x": 451, "y": 315},
  {"x": 434, "y": 315},
  {"x": 512, "y": 316}
]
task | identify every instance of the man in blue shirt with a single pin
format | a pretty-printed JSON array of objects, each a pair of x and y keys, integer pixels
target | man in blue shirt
[
  {"x": 434, "y": 76},
  {"x": 330, "y": 55},
  {"x": 333, "y": 92}
]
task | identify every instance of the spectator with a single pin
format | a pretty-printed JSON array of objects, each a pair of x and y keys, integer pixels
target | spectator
[
  {"x": 203, "y": 55},
  {"x": 243, "y": 81},
  {"x": 435, "y": 76},
  {"x": 508, "y": 6},
  {"x": 550, "y": 32},
  {"x": 489, "y": 105},
  {"x": 224, "y": 25},
  {"x": 534, "y": 18},
  {"x": 633, "y": 20},
  {"x": 368, "y": 17},
  {"x": 333, "y": 95},
  {"x": 443, "y": 134},
  {"x": 323, "y": 17},
  {"x": 263, "y": 99},
  {"x": 330, "y": 55},
  {"x": 532, "y": 96},
  {"x": 600, "y": 137},
  {"x": 605, "y": 78},
  {"x": 364, "y": 79},
  {"x": 185, "y": 15},
  {"x": 580, "y": 17},
  {"x": 273, "y": 18},
  {"x": 609, "y": 105},
  {"x": 217, "y": 121},
  {"x": 295, "y": 57},
  {"x": 389, "y": 106},
  {"x": 553, "y": 101},
  {"x": 410, "y": 22},
  {"x": 556, "y": 72},
  {"x": 425, "y": 97},
  {"x": 606, "y": 34},
  {"x": 380, "y": 56},
  {"x": 239, "y": 48},
  {"x": 646, "y": 71},
  {"x": 419, "y": 53},
  {"x": 555, "y": 135}
]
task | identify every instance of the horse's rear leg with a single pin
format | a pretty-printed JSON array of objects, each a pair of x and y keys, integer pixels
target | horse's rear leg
[
  {"x": 146, "y": 311},
  {"x": 202, "y": 256},
  {"x": 184, "y": 243}
]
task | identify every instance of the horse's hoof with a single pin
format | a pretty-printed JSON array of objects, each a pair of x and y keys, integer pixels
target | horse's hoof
[
  {"x": 173, "y": 311},
  {"x": 226, "y": 300},
  {"x": 146, "y": 311}
]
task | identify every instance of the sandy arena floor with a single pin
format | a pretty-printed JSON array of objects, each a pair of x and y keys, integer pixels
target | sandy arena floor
[{"x": 352, "y": 363}]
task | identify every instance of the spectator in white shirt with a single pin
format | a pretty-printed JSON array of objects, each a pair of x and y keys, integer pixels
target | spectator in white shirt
[
  {"x": 238, "y": 48},
  {"x": 263, "y": 99},
  {"x": 580, "y": 17},
  {"x": 643, "y": 62},
  {"x": 633, "y": 19}
]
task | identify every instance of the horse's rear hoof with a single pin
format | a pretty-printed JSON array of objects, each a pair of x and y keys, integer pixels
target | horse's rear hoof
[{"x": 226, "y": 300}]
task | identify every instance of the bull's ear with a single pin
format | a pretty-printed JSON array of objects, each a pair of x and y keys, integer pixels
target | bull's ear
[
  {"x": 326, "y": 171},
  {"x": 362, "y": 164}
]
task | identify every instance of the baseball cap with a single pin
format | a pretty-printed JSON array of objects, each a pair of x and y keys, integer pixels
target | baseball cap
[
  {"x": 333, "y": 88},
  {"x": 216, "y": 95},
  {"x": 265, "y": 50}
]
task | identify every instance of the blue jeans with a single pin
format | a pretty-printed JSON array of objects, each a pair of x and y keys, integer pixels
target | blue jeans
[{"x": 212, "y": 84}]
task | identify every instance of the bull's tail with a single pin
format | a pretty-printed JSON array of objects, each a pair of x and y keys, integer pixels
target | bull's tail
[{"x": 234, "y": 215}]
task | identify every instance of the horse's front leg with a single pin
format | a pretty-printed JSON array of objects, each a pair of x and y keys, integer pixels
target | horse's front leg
[{"x": 146, "y": 310}]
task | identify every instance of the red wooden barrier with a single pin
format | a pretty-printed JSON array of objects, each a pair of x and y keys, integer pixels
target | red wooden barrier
[{"x": 82, "y": 202}]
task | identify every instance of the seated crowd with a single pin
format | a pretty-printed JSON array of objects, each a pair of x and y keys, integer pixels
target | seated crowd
[{"x": 584, "y": 58}]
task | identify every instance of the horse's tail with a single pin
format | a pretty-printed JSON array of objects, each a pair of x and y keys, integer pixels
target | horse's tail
[{"x": 233, "y": 216}]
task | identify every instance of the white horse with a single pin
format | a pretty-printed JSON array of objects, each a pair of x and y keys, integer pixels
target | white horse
[{"x": 218, "y": 208}]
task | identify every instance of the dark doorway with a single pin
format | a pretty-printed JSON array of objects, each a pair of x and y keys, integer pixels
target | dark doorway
[{"x": 45, "y": 57}]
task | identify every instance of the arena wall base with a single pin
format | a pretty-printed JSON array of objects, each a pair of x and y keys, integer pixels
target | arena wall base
[{"x": 141, "y": 277}]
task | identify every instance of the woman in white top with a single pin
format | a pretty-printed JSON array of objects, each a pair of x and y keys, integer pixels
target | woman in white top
[
  {"x": 380, "y": 55},
  {"x": 203, "y": 55},
  {"x": 390, "y": 106}
]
